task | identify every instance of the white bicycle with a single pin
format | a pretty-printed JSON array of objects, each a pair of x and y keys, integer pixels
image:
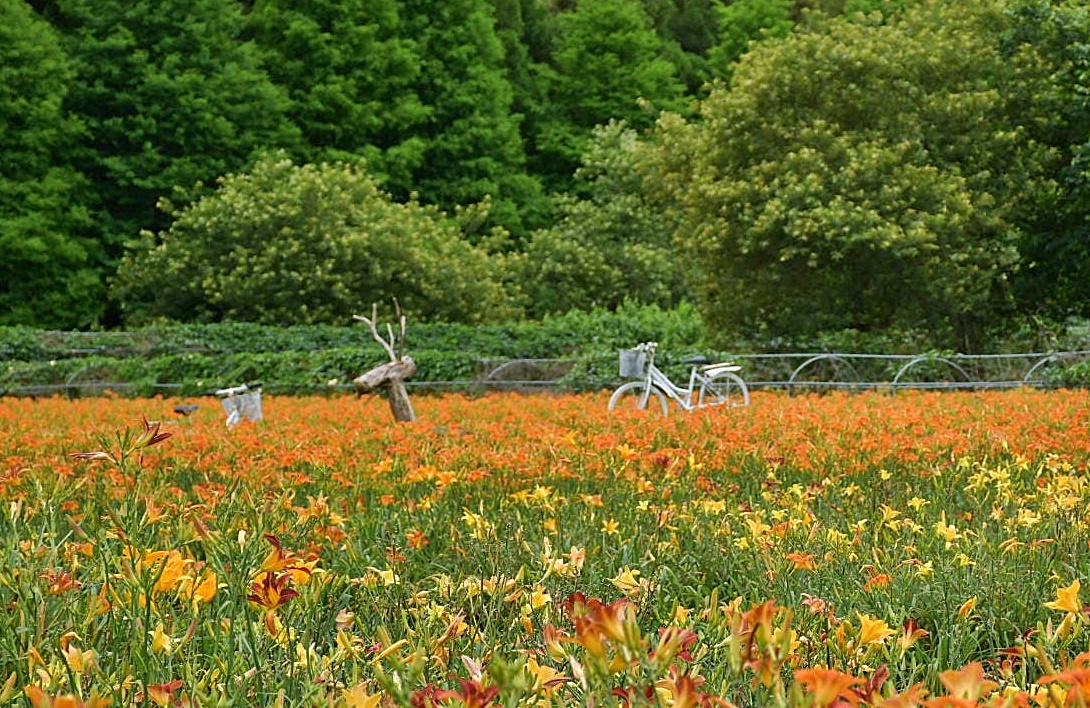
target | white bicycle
[{"x": 710, "y": 384}]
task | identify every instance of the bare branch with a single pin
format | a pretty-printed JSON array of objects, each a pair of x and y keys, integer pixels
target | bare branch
[
  {"x": 370, "y": 322},
  {"x": 390, "y": 376}
]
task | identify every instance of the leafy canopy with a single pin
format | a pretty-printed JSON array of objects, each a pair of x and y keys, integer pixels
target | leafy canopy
[
  {"x": 860, "y": 174},
  {"x": 289, "y": 244},
  {"x": 49, "y": 269},
  {"x": 609, "y": 248}
]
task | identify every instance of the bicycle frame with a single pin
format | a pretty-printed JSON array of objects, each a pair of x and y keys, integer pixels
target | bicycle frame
[
  {"x": 654, "y": 382},
  {"x": 683, "y": 396}
]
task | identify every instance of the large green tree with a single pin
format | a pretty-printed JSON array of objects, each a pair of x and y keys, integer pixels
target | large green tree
[
  {"x": 745, "y": 21},
  {"x": 171, "y": 96},
  {"x": 1056, "y": 243},
  {"x": 472, "y": 146},
  {"x": 861, "y": 174},
  {"x": 522, "y": 27},
  {"x": 289, "y": 244},
  {"x": 351, "y": 70},
  {"x": 688, "y": 29},
  {"x": 609, "y": 64},
  {"x": 50, "y": 271}
]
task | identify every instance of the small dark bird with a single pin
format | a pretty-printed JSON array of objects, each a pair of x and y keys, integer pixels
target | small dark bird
[{"x": 185, "y": 409}]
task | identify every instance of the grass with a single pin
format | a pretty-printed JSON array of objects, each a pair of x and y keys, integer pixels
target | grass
[{"x": 917, "y": 549}]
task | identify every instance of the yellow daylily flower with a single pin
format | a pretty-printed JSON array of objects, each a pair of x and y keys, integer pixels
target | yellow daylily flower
[
  {"x": 873, "y": 630},
  {"x": 1067, "y": 599},
  {"x": 358, "y": 697},
  {"x": 626, "y": 580},
  {"x": 160, "y": 640}
]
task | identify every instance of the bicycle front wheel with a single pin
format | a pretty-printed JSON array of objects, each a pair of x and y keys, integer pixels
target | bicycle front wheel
[
  {"x": 724, "y": 389},
  {"x": 634, "y": 396}
]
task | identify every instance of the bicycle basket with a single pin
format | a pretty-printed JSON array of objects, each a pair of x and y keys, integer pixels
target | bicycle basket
[{"x": 633, "y": 363}]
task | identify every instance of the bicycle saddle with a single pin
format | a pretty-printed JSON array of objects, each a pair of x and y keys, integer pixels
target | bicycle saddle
[{"x": 697, "y": 360}]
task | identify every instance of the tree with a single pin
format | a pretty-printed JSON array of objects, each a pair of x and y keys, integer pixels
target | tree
[
  {"x": 171, "y": 96},
  {"x": 1053, "y": 40},
  {"x": 351, "y": 71},
  {"x": 609, "y": 248},
  {"x": 688, "y": 29},
  {"x": 288, "y": 244},
  {"x": 522, "y": 29},
  {"x": 860, "y": 175},
  {"x": 50, "y": 271},
  {"x": 609, "y": 64},
  {"x": 472, "y": 148},
  {"x": 745, "y": 21}
]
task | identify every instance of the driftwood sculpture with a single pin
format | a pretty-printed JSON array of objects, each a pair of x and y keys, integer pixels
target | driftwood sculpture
[{"x": 389, "y": 377}]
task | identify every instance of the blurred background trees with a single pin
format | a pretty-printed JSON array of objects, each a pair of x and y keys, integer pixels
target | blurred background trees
[
  {"x": 792, "y": 166},
  {"x": 48, "y": 255}
]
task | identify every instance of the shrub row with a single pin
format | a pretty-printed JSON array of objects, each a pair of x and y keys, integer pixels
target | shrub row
[{"x": 198, "y": 359}]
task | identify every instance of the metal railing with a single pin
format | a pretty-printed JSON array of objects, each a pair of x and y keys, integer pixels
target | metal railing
[
  {"x": 836, "y": 370},
  {"x": 792, "y": 372}
]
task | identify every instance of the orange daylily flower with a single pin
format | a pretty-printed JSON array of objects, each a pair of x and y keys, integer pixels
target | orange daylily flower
[
  {"x": 673, "y": 642},
  {"x": 877, "y": 581},
  {"x": 965, "y": 684},
  {"x": 162, "y": 694},
  {"x": 912, "y": 697},
  {"x": 281, "y": 560},
  {"x": 801, "y": 561},
  {"x": 471, "y": 695},
  {"x": 686, "y": 694},
  {"x": 1076, "y": 677},
  {"x": 828, "y": 686},
  {"x": 150, "y": 435},
  {"x": 203, "y": 589},
  {"x": 59, "y": 581},
  {"x": 910, "y": 634}
]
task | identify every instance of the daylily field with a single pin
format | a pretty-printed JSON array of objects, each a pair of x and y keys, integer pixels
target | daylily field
[{"x": 917, "y": 549}]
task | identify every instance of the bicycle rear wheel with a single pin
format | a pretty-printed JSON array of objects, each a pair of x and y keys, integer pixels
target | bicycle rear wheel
[
  {"x": 633, "y": 396},
  {"x": 724, "y": 389}
]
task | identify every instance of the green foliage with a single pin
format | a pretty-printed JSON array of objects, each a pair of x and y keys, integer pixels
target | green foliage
[
  {"x": 688, "y": 29},
  {"x": 887, "y": 8},
  {"x": 899, "y": 165},
  {"x": 745, "y": 21},
  {"x": 472, "y": 146},
  {"x": 609, "y": 64},
  {"x": 49, "y": 269},
  {"x": 197, "y": 359},
  {"x": 296, "y": 245},
  {"x": 1054, "y": 39},
  {"x": 351, "y": 71},
  {"x": 170, "y": 96},
  {"x": 860, "y": 175},
  {"x": 609, "y": 248}
]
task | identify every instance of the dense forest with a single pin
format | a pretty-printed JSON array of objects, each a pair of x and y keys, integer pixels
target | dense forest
[{"x": 791, "y": 167}]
